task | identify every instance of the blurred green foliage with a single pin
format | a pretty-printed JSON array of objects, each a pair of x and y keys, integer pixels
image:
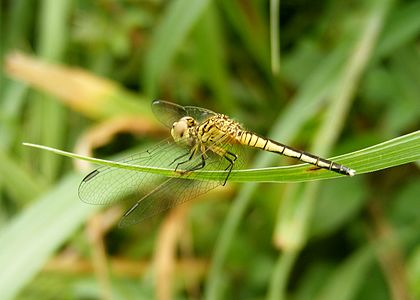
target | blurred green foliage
[{"x": 340, "y": 239}]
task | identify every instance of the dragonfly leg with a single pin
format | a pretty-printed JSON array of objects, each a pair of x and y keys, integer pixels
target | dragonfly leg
[
  {"x": 231, "y": 163},
  {"x": 197, "y": 167},
  {"x": 179, "y": 157},
  {"x": 192, "y": 152},
  {"x": 201, "y": 165}
]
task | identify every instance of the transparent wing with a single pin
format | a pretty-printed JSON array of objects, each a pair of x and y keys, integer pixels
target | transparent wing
[
  {"x": 107, "y": 185},
  {"x": 198, "y": 113},
  {"x": 154, "y": 193},
  {"x": 168, "y": 113},
  {"x": 168, "y": 194},
  {"x": 177, "y": 190}
]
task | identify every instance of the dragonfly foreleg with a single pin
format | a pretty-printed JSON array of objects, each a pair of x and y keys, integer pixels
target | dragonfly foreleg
[
  {"x": 192, "y": 153},
  {"x": 199, "y": 166},
  {"x": 179, "y": 157}
]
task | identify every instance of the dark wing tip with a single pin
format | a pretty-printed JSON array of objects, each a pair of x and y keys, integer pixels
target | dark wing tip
[
  {"x": 86, "y": 179},
  {"x": 90, "y": 175}
]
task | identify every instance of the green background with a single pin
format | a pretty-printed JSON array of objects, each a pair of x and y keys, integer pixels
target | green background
[{"x": 330, "y": 77}]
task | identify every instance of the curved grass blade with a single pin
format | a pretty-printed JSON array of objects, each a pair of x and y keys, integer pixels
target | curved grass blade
[
  {"x": 174, "y": 28},
  {"x": 35, "y": 233},
  {"x": 398, "y": 151}
]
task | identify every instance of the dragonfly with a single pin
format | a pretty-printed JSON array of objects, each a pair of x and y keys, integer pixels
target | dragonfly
[{"x": 201, "y": 140}]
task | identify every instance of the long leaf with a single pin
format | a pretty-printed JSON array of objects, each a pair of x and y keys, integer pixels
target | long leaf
[
  {"x": 31, "y": 238},
  {"x": 398, "y": 151},
  {"x": 177, "y": 22}
]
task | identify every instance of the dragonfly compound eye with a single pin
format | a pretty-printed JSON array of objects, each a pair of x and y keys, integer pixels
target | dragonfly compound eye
[{"x": 179, "y": 129}]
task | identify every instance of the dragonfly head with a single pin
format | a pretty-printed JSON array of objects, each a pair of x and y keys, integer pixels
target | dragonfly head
[{"x": 180, "y": 130}]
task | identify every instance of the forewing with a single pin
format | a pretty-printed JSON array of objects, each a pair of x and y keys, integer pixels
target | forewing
[{"x": 107, "y": 185}]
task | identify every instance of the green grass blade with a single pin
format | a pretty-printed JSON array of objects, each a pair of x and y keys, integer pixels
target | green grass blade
[
  {"x": 341, "y": 98},
  {"x": 347, "y": 279},
  {"x": 275, "y": 36},
  {"x": 31, "y": 238},
  {"x": 251, "y": 29},
  {"x": 210, "y": 59},
  {"x": 398, "y": 151},
  {"x": 103, "y": 162},
  {"x": 18, "y": 181},
  {"x": 178, "y": 20},
  {"x": 281, "y": 274},
  {"x": 403, "y": 26},
  {"x": 51, "y": 116}
]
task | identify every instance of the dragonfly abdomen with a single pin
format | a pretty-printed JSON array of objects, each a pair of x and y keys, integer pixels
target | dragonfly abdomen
[{"x": 253, "y": 140}]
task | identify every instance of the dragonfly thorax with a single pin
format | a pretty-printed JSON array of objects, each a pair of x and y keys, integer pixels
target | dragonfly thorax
[
  {"x": 182, "y": 130},
  {"x": 218, "y": 129}
]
